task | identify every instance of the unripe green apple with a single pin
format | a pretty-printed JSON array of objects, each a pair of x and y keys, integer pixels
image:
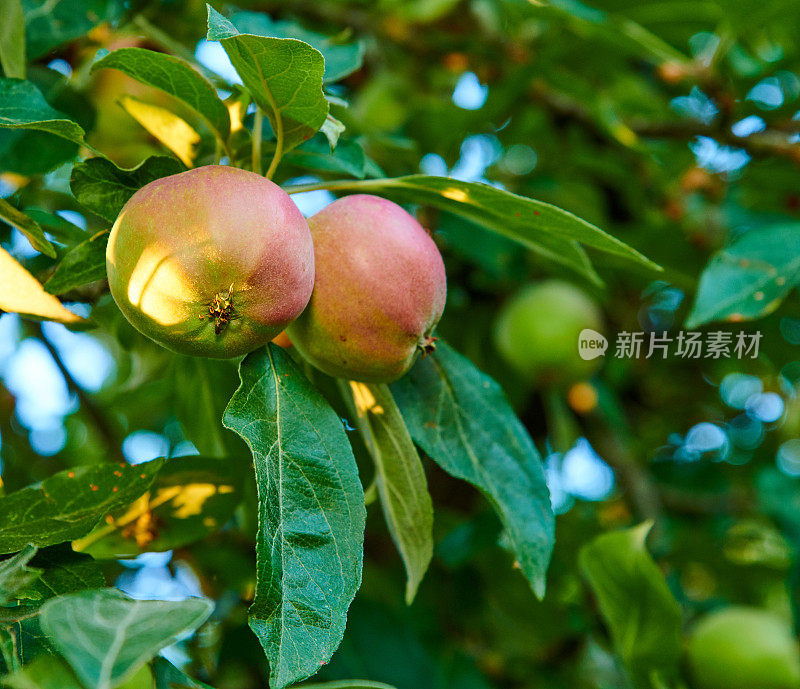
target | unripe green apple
[
  {"x": 380, "y": 290},
  {"x": 743, "y": 648},
  {"x": 211, "y": 262},
  {"x": 537, "y": 332}
]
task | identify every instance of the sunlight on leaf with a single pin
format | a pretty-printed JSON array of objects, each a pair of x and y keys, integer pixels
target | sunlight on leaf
[
  {"x": 12, "y": 39},
  {"x": 400, "y": 478},
  {"x": 22, "y": 293},
  {"x": 172, "y": 131},
  {"x": 191, "y": 497}
]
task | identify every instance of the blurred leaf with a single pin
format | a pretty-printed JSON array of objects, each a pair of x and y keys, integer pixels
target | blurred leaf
[
  {"x": 424, "y": 11},
  {"x": 22, "y": 293},
  {"x": 283, "y": 75},
  {"x": 172, "y": 131},
  {"x": 12, "y": 39},
  {"x": 43, "y": 673},
  {"x": 177, "y": 78},
  {"x": 81, "y": 265},
  {"x": 103, "y": 188},
  {"x": 64, "y": 571},
  {"x": 311, "y": 514},
  {"x": 63, "y": 230},
  {"x": 69, "y": 504},
  {"x": 315, "y": 154},
  {"x": 106, "y": 636},
  {"x": 641, "y": 613},
  {"x": 779, "y": 497},
  {"x": 460, "y": 417},
  {"x": 202, "y": 390},
  {"x": 349, "y": 684},
  {"x": 22, "y": 106},
  {"x": 52, "y": 23},
  {"x": 190, "y": 498},
  {"x": 499, "y": 255},
  {"x": 618, "y": 30},
  {"x": 749, "y": 278},
  {"x": 167, "y": 676},
  {"x": 33, "y": 153},
  {"x": 16, "y": 576},
  {"x": 29, "y": 227},
  {"x": 533, "y": 223},
  {"x": 341, "y": 59},
  {"x": 400, "y": 478}
]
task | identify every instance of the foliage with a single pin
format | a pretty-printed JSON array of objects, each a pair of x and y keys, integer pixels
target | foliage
[{"x": 166, "y": 528}]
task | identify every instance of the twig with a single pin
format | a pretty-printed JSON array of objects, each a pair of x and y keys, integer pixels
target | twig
[
  {"x": 87, "y": 404},
  {"x": 257, "y": 126},
  {"x": 276, "y": 157},
  {"x": 763, "y": 144}
]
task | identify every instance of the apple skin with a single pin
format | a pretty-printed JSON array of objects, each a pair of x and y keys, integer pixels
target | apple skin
[
  {"x": 537, "y": 332},
  {"x": 181, "y": 242},
  {"x": 380, "y": 290},
  {"x": 743, "y": 648}
]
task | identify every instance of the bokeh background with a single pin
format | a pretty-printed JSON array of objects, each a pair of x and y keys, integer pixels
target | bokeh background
[{"x": 672, "y": 125}]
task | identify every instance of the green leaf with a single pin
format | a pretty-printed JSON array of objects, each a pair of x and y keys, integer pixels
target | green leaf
[
  {"x": 518, "y": 217},
  {"x": 750, "y": 277},
  {"x": 315, "y": 154},
  {"x": 311, "y": 514},
  {"x": 33, "y": 153},
  {"x": 177, "y": 78},
  {"x": 400, "y": 478},
  {"x": 69, "y": 504},
  {"x": 167, "y": 676},
  {"x": 52, "y": 23},
  {"x": 341, "y": 59},
  {"x": 617, "y": 30},
  {"x": 190, "y": 498},
  {"x": 29, "y": 227},
  {"x": 45, "y": 672},
  {"x": 641, "y": 613},
  {"x": 22, "y": 106},
  {"x": 16, "y": 576},
  {"x": 106, "y": 636},
  {"x": 202, "y": 390},
  {"x": 462, "y": 420},
  {"x": 64, "y": 571},
  {"x": 12, "y": 39},
  {"x": 81, "y": 265},
  {"x": 283, "y": 75},
  {"x": 103, "y": 188},
  {"x": 539, "y": 226},
  {"x": 349, "y": 684}
]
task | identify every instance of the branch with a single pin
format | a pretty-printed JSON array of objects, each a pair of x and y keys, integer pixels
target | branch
[
  {"x": 87, "y": 404},
  {"x": 772, "y": 142}
]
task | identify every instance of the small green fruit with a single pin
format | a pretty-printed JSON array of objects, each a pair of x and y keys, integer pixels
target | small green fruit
[
  {"x": 537, "y": 332},
  {"x": 380, "y": 290},
  {"x": 743, "y": 648},
  {"x": 211, "y": 262}
]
